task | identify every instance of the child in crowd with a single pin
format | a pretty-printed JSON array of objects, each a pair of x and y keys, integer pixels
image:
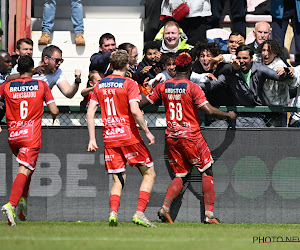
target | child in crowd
[
  {"x": 150, "y": 66},
  {"x": 133, "y": 57},
  {"x": 94, "y": 78},
  {"x": 168, "y": 63}
]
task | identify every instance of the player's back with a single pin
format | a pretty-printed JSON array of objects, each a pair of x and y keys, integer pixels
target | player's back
[
  {"x": 181, "y": 99},
  {"x": 24, "y": 99},
  {"x": 114, "y": 93}
]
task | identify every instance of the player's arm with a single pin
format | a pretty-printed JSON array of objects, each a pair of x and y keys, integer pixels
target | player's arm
[
  {"x": 53, "y": 110},
  {"x": 139, "y": 118},
  {"x": 0, "y": 129},
  {"x": 216, "y": 113},
  {"x": 92, "y": 147},
  {"x": 70, "y": 90}
]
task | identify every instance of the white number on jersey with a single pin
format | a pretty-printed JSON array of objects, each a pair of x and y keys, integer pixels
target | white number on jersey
[
  {"x": 175, "y": 111},
  {"x": 110, "y": 105},
  {"x": 23, "y": 109}
]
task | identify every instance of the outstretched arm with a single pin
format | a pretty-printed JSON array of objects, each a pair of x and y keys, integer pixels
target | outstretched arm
[
  {"x": 139, "y": 118},
  {"x": 216, "y": 113}
]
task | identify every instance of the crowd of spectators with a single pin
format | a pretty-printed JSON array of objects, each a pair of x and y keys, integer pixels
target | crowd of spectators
[{"x": 256, "y": 74}]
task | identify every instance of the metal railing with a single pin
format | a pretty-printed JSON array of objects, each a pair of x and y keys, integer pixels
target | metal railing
[{"x": 260, "y": 116}]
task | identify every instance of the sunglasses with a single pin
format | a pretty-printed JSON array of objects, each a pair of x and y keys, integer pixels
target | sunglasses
[{"x": 57, "y": 60}]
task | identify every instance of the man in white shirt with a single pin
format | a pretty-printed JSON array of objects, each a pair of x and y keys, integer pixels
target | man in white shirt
[{"x": 51, "y": 60}]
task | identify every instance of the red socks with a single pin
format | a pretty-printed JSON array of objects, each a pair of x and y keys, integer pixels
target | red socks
[
  {"x": 144, "y": 198},
  {"x": 26, "y": 188},
  {"x": 173, "y": 191},
  {"x": 208, "y": 190},
  {"x": 114, "y": 203},
  {"x": 17, "y": 189}
]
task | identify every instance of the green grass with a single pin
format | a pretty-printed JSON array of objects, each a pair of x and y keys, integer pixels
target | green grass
[{"x": 98, "y": 235}]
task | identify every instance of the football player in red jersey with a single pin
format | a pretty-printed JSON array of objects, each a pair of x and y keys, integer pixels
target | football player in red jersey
[
  {"x": 24, "y": 100},
  {"x": 186, "y": 145},
  {"x": 118, "y": 97}
]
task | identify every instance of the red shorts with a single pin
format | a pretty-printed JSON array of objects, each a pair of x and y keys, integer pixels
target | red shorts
[
  {"x": 136, "y": 155},
  {"x": 183, "y": 154},
  {"x": 25, "y": 155}
]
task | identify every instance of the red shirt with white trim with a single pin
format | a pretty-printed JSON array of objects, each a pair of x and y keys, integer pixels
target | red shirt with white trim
[
  {"x": 24, "y": 100},
  {"x": 113, "y": 94},
  {"x": 181, "y": 99}
]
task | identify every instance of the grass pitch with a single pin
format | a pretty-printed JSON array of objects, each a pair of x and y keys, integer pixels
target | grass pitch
[{"x": 98, "y": 235}]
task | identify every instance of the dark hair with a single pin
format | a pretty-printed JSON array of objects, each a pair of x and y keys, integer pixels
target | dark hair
[
  {"x": 165, "y": 57},
  {"x": 118, "y": 59},
  {"x": 151, "y": 45},
  {"x": 1, "y": 32},
  {"x": 213, "y": 47},
  {"x": 244, "y": 48},
  {"x": 273, "y": 46},
  {"x": 49, "y": 50},
  {"x": 106, "y": 36},
  {"x": 235, "y": 33},
  {"x": 24, "y": 40},
  {"x": 3, "y": 53},
  {"x": 25, "y": 64},
  {"x": 126, "y": 46}
]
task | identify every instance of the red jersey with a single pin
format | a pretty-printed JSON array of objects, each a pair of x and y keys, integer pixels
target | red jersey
[
  {"x": 113, "y": 94},
  {"x": 181, "y": 99},
  {"x": 24, "y": 100}
]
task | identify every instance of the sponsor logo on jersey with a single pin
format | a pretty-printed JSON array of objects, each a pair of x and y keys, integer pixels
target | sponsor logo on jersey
[
  {"x": 114, "y": 131},
  {"x": 24, "y": 86},
  {"x": 111, "y": 83},
  {"x": 171, "y": 88}
]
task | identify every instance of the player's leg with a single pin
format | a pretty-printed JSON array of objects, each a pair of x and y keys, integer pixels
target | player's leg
[
  {"x": 16, "y": 192},
  {"x": 180, "y": 166},
  {"x": 139, "y": 217},
  {"x": 208, "y": 190},
  {"x": 115, "y": 197},
  {"x": 22, "y": 205},
  {"x": 115, "y": 164}
]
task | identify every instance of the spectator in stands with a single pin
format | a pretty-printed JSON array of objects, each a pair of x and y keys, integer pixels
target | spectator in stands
[
  {"x": 49, "y": 17},
  {"x": 5, "y": 69},
  {"x": 24, "y": 47},
  {"x": 1, "y": 34},
  {"x": 133, "y": 58},
  {"x": 172, "y": 38},
  {"x": 53, "y": 75},
  {"x": 295, "y": 116},
  {"x": 150, "y": 66},
  {"x": 194, "y": 23},
  {"x": 275, "y": 93},
  {"x": 186, "y": 146},
  {"x": 246, "y": 79},
  {"x": 94, "y": 79},
  {"x": 261, "y": 32},
  {"x": 282, "y": 12},
  {"x": 234, "y": 41},
  {"x": 152, "y": 19},
  {"x": 100, "y": 60},
  {"x": 238, "y": 14},
  {"x": 5, "y": 65},
  {"x": 204, "y": 52}
]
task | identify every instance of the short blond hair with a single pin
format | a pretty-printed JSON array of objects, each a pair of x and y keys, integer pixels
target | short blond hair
[{"x": 119, "y": 59}]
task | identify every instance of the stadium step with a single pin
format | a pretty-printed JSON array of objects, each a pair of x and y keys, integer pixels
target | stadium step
[{"x": 124, "y": 22}]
